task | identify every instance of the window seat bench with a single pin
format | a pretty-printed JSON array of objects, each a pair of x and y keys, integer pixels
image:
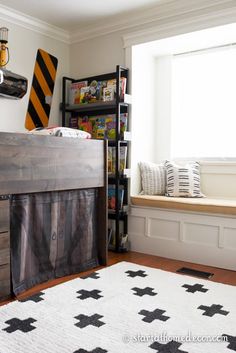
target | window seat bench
[
  {"x": 196, "y": 230},
  {"x": 202, "y": 204}
]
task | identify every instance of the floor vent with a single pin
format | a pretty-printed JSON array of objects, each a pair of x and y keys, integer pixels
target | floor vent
[{"x": 195, "y": 273}]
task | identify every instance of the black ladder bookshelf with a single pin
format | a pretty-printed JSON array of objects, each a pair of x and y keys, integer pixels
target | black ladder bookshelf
[{"x": 120, "y": 179}]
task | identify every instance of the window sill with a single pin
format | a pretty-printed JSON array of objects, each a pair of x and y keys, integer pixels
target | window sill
[
  {"x": 214, "y": 166},
  {"x": 218, "y": 167}
]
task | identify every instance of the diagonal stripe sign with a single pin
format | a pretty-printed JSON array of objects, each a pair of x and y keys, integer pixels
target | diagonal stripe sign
[{"x": 41, "y": 91}]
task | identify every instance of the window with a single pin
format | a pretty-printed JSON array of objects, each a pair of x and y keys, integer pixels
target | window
[{"x": 203, "y": 116}]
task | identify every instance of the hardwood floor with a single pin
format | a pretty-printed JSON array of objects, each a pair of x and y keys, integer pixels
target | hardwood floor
[{"x": 220, "y": 275}]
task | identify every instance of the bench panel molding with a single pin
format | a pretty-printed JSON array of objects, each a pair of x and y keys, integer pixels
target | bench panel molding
[
  {"x": 217, "y": 248},
  {"x": 161, "y": 229}
]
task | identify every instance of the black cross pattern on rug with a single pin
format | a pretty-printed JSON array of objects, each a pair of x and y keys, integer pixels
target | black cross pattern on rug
[
  {"x": 195, "y": 288},
  {"x": 212, "y": 310},
  {"x": 150, "y": 316},
  {"x": 85, "y": 294},
  {"x": 139, "y": 273},
  {"x": 21, "y": 325},
  {"x": 145, "y": 291},
  {"x": 34, "y": 298},
  {"x": 85, "y": 320},
  {"x": 170, "y": 347},
  {"x": 96, "y": 350},
  {"x": 94, "y": 275},
  {"x": 232, "y": 342}
]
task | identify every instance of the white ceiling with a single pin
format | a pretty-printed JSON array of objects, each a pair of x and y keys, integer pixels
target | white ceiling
[{"x": 71, "y": 14}]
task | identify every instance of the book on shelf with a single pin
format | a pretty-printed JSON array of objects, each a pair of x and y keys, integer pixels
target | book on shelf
[
  {"x": 108, "y": 94},
  {"x": 109, "y": 160},
  {"x": 73, "y": 122},
  {"x": 112, "y": 197},
  {"x": 112, "y": 159},
  {"x": 123, "y": 157},
  {"x": 85, "y": 124},
  {"x": 111, "y": 239},
  {"x": 85, "y": 95},
  {"x": 109, "y": 235},
  {"x": 103, "y": 126},
  {"x": 81, "y": 92},
  {"x": 111, "y": 84},
  {"x": 75, "y": 89},
  {"x": 123, "y": 241},
  {"x": 110, "y": 125}
]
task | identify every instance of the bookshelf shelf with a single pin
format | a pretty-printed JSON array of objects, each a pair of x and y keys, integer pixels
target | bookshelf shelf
[
  {"x": 90, "y": 106},
  {"x": 123, "y": 179},
  {"x": 100, "y": 105},
  {"x": 121, "y": 214},
  {"x": 118, "y": 181},
  {"x": 112, "y": 143}
]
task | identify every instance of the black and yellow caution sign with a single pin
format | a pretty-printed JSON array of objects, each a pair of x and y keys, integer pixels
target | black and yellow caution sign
[{"x": 41, "y": 90}]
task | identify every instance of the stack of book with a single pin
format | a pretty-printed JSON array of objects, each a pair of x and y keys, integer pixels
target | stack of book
[{"x": 81, "y": 92}]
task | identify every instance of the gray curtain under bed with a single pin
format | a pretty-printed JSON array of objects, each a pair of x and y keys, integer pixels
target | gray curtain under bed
[{"x": 53, "y": 234}]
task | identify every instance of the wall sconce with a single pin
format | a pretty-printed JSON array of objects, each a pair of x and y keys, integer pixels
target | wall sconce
[
  {"x": 4, "y": 51},
  {"x": 11, "y": 85}
]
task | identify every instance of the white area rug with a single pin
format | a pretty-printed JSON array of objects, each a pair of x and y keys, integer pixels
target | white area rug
[{"x": 125, "y": 308}]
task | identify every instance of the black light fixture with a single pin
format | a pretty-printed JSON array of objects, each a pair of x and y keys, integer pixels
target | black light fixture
[{"x": 11, "y": 85}]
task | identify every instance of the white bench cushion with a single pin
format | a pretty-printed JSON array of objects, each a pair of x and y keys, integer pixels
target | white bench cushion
[{"x": 208, "y": 205}]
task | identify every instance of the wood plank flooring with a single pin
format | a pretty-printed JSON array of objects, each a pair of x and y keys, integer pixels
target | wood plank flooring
[{"x": 220, "y": 275}]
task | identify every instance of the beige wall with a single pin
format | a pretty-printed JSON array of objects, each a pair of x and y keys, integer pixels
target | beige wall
[
  {"x": 97, "y": 56},
  {"x": 23, "y": 45}
]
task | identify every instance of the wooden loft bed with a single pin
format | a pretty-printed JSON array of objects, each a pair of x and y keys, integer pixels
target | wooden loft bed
[{"x": 41, "y": 165}]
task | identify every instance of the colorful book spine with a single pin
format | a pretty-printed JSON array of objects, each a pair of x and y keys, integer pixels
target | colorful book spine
[
  {"x": 103, "y": 126},
  {"x": 112, "y": 197},
  {"x": 75, "y": 89},
  {"x": 73, "y": 122},
  {"x": 112, "y": 159}
]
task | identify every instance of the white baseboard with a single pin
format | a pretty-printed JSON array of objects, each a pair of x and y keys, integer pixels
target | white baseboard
[{"x": 195, "y": 237}]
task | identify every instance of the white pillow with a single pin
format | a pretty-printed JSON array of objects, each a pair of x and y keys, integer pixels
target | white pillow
[
  {"x": 61, "y": 131},
  {"x": 153, "y": 178},
  {"x": 183, "y": 181}
]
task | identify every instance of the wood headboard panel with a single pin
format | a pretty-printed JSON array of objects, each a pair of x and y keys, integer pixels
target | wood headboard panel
[{"x": 33, "y": 163}]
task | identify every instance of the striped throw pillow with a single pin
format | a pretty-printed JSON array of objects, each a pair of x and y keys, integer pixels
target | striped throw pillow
[
  {"x": 153, "y": 177},
  {"x": 183, "y": 181}
]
